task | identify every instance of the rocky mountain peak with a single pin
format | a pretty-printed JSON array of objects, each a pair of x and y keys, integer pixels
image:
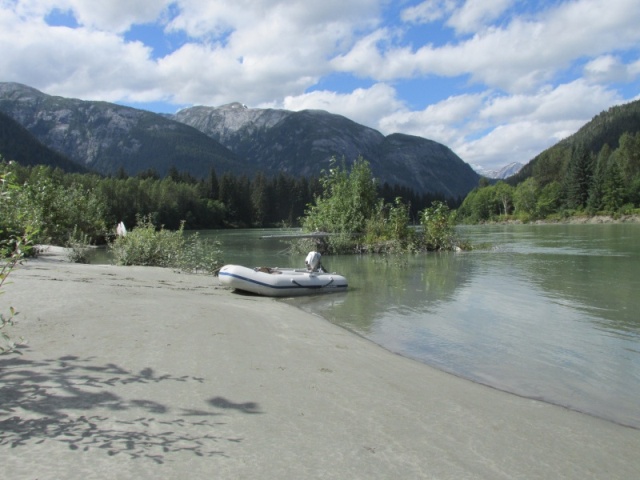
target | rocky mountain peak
[{"x": 230, "y": 138}]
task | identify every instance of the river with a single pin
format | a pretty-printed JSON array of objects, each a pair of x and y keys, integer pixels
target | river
[{"x": 550, "y": 312}]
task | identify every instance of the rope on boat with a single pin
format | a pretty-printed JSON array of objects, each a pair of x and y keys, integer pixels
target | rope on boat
[{"x": 312, "y": 286}]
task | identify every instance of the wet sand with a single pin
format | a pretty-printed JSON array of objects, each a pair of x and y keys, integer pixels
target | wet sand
[{"x": 139, "y": 372}]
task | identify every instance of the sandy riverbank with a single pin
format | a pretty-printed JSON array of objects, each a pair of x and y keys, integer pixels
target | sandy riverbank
[{"x": 134, "y": 372}]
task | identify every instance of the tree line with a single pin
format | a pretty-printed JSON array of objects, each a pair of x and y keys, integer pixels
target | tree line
[
  {"x": 58, "y": 203},
  {"x": 572, "y": 180}
]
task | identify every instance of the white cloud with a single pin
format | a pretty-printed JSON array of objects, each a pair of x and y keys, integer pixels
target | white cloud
[
  {"x": 253, "y": 51},
  {"x": 493, "y": 130},
  {"x": 428, "y": 11},
  {"x": 112, "y": 15},
  {"x": 608, "y": 68},
  {"x": 213, "y": 76},
  {"x": 220, "y": 18},
  {"x": 445, "y": 122},
  {"x": 259, "y": 51},
  {"x": 464, "y": 16},
  {"x": 118, "y": 15},
  {"x": 475, "y": 14},
  {"x": 64, "y": 62},
  {"x": 215, "y": 17},
  {"x": 577, "y": 100},
  {"x": 363, "y": 105},
  {"x": 514, "y": 142},
  {"x": 527, "y": 124},
  {"x": 518, "y": 57},
  {"x": 365, "y": 59}
]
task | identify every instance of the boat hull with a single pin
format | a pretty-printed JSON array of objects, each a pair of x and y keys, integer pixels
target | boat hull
[{"x": 281, "y": 282}]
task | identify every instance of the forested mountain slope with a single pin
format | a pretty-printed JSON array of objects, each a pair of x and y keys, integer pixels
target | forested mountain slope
[
  {"x": 106, "y": 137},
  {"x": 606, "y": 128},
  {"x": 17, "y": 143},
  {"x": 595, "y": 171}
]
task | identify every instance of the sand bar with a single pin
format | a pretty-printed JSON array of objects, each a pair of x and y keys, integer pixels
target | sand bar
[{"x": 136, "y": 372}]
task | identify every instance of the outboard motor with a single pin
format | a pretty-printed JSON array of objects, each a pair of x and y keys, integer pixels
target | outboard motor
[{"x": 313, "y": 262}]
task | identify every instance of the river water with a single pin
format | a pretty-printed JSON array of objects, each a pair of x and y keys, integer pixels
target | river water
[{"x": 550, "y": 312}]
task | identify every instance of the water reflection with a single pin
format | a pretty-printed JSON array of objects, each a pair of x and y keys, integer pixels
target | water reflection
[
  {"x": 547, "y": 312},
  {"x": 383, "y": 286}
]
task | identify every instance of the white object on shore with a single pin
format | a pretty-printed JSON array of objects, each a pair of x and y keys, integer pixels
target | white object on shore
[
  {"x": 121, "y": 230},
  {"x": 281, "y": 282}
]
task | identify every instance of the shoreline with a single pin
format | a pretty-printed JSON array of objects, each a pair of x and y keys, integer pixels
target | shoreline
[
  {"x": 147, "y": 373},
  {"x": 574, "y": 220}
]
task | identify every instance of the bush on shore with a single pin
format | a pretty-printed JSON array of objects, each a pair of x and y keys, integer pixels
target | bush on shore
[{"x": 147, "y": 245}]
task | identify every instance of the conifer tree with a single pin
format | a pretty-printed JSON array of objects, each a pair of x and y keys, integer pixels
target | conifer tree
[
  {"x": 613, "y": 187},
  {"x": 596, "y": 191},
  {"x": 578, "y": 177}
]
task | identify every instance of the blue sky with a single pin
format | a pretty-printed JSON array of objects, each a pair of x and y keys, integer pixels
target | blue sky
[{"x": 497, "y": 81}]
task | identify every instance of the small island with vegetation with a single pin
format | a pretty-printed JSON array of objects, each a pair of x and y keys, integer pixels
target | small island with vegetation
[{"x": 357, "y": 220}]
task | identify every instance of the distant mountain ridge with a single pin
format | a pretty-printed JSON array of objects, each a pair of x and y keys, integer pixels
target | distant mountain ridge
[
  {"x": 504, "y": 172},
  {"x": 106, "y": 137},
  {"x": 302, "y": 143},
  {"x": 279, "y": 140}
]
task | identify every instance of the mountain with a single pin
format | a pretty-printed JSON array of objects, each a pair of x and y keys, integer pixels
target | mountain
[
  {"x": 17, "y": 143},
  {"x": 501, "y": 174},
  {"x": 302, "y": 143},
  {"x": 298, "y": 143},
  {"x": 232, "y": 138},
  {"x": 105, "y": 137},
  {"x": 606, "y": 128}
]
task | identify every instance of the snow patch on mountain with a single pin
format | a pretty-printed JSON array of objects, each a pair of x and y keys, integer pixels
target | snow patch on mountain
[{"x": 504, "y": 172}]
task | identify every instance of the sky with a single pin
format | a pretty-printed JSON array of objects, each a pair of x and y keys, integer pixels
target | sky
[{"x": 497, "y": 81}]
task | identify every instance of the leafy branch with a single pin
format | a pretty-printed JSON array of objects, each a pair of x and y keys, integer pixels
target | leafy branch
[
  {"x": 17, "y": 252},
  {"x": 13, "y": 247}
]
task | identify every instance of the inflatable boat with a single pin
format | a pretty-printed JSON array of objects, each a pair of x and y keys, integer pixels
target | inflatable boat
[{"x": 281, "y": 282}]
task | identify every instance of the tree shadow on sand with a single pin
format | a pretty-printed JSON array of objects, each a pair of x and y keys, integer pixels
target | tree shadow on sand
[{"x": 35, "y": 397}]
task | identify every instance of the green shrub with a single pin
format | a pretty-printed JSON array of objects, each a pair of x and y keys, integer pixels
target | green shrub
[
  {"x": 348, "y": 200},
  {"x": 357, "y": 219},
  {"x": 15, "y": 242},
  {"x": 41, "y": 202},
  {"x": 438, "y": 227},
  {"x": 148, "y": 246},
  {"x": 79, "y": 246},
  {"x": 387, "y": 230},
  {"x": 201, "y": 255},
  {"x": 12, "y": 211},
  {"x": 12, "y": 252},
  {"x": 627, "y": 209}
]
